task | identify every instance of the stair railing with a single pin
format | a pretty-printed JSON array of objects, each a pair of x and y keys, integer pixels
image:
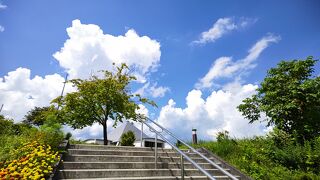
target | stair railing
[{"x": 182, "y": 154}]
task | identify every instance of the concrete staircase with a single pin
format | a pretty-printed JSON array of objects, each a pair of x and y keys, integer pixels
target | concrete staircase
[{"x": 123, "y": 163}]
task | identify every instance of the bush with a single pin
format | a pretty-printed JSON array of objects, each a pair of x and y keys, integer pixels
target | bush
[
  {"x": 51, "y": 133},
  {"x": 68, "y": 136},
  {"x": 127, "y": 139}
]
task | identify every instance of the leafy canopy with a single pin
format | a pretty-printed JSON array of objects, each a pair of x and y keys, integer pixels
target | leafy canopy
[
  {"x": 290, "y": 98},
  {"x": 99, "y": 99},
  {"x": 38, "y": 115}
]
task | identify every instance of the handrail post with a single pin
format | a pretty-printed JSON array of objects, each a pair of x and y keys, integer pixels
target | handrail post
[
  {"x": 182, "y": 166},
  {"x": 141, "y": 134},
  {"x": 156, "y": 151}
]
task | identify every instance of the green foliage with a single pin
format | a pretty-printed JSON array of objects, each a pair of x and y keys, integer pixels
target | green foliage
[
  {"x": 98, "y": 100},
  {"x": 68, "y": 136},
  {"x": 74, "y": 141},
  {"x": 223, "y": 136},
  {"x": 51, "y": 132},
  {"x": 127, "y": 139},
  {"x": 16, "y": 135},
  {"x": 290, "y": 98},
  {"x": 6, "y": 125},
  {"x": 276, "y": 156},
  {"x": 38, "y": 115}
]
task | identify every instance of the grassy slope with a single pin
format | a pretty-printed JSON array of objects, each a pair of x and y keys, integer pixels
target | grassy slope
[{"x": 260, "y": 158}]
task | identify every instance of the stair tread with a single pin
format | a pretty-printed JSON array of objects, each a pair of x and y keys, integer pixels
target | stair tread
[
  {"x": 120, "y": 147},
  {"x": 124, "y": 151},
  {"x": 74, "y": 170},
  {"x": 117, "y": 150},
  {"x": 109, "y": 155},
  {"x": 123, "y": 163},
  {"x": 107, "y": 162},
  {"x": 153, "y": 177}
]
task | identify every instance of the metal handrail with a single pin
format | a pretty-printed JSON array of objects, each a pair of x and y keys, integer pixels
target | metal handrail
[
  {"x": 181, "y": 153},
  {"x": 184, "y": 155}
]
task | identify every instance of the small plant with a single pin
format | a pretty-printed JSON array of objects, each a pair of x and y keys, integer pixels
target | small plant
[
  {"x": 127, "y": 139},
  {"x": 223, "y": 136},
  {"x": 68, "y": 136}
]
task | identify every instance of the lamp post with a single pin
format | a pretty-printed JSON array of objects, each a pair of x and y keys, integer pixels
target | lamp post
[{"x": 194, "y": 136}]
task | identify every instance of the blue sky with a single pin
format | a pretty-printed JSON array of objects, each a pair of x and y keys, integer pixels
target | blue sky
[{"x": 181, "y": 56}]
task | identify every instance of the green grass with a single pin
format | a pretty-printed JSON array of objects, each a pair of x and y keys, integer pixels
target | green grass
[{"x": 264, "y": 158}]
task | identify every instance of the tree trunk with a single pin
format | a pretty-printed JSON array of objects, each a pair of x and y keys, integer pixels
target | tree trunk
[{"x": 105, "y": 138}]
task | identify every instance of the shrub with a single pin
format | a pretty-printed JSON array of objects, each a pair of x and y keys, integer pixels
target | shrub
[
  {"x": 68, "y": 136},
  {"x": 50, "y": 132},
  {"x": 127, "y": 139}
]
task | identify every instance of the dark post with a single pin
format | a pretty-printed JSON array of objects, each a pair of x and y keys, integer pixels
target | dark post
[{"x": 194, "y": 136}]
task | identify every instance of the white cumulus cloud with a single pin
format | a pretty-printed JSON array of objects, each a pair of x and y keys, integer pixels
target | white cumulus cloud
[
  {"x": 221, "y": 27},
  {"x": 89, "y": 49},
  {"x": 20, "y": 93},
  {"x": 153, "y": 90},
  {"x": 210, "y": 115},
  {"x": 225, "y": 67}
]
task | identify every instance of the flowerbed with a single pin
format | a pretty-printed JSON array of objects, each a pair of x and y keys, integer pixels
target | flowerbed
[{"x": 34, "y": 161}]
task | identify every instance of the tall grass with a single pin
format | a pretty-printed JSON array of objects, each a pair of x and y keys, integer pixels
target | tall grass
[{"x": 263, "y": 158}]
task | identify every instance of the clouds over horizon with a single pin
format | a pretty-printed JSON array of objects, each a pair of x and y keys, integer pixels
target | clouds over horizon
[
  {"x": 222, "y": 27},
  {"x": 225, "y": 67},
  {"x": 218, "y": 111},
  {"x": 20, "y": 93},
  {"x": 210, "y": 115}
]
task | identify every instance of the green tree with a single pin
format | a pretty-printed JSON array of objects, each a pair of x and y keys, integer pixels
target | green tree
[
  {"x": 127, "y": 139},
  {"x": 6, "y": 125},
  {"x": 100, "y": 99},
  {"x": 38, "y": 115},
  {"x": 290, "y": 98}
]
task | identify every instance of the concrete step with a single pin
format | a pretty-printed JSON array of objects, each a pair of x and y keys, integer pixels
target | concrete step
[
  {"x": 109, "y": 147},
  {"x": 130, "y": 165},
  {"x": 125, "y": 153},
  {"x": 110, "y": 173},
  {"x": 118, "y": 158},
  {"x": 157, "y": 178}
]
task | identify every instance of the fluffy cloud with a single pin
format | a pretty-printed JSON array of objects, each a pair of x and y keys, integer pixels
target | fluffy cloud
[
  {"x": 2, "y": 6},
  {"x": 225, "y": 67},
  {"x": 221, "y": 27},
  {"x": 20, "y": 92},
  {"x": 89, "y": 50},
  {"x": 1, "y": 28},
  {"x": 210, "y": 115},
  {"x": 152, "y": 90}
]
